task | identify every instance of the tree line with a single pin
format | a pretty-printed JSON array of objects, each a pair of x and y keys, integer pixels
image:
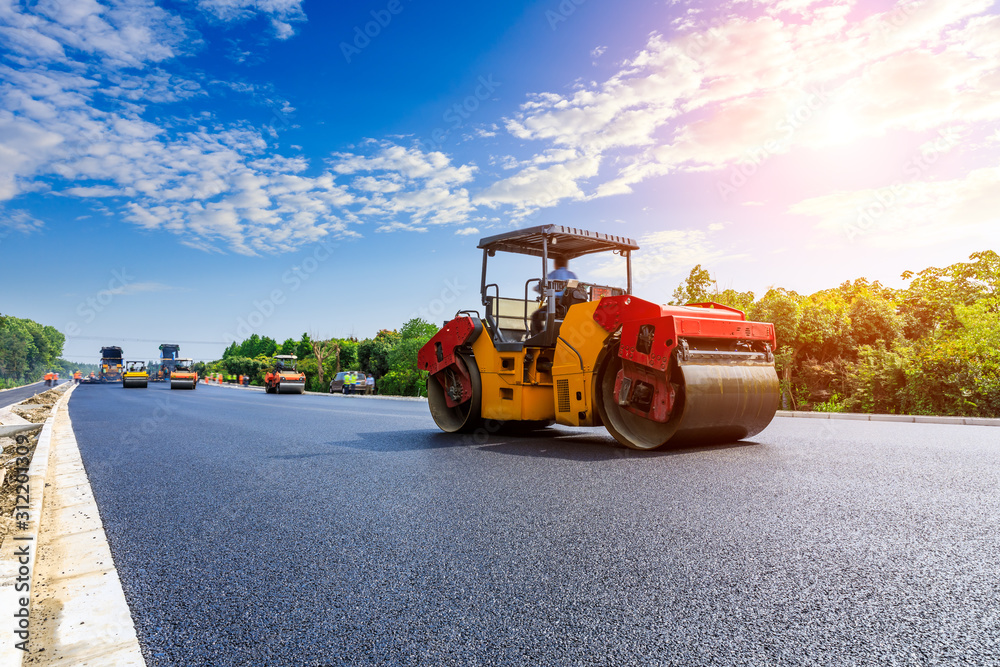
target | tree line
[
  {"x": 931, "y": 348},
  {"x": 390, "y": 357},
  {"x": 28, "y": 350}
]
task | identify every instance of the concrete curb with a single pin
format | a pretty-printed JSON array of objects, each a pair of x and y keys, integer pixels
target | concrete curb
[
  {"x": 20, "y": 551},
  {"x": 363, "y": 397},
  {"x": 79, "y": 612},
  {"x": 913, "y": 419}
]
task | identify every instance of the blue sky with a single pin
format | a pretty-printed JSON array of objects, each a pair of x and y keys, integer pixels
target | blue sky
[{"x": 196, "y": 170}]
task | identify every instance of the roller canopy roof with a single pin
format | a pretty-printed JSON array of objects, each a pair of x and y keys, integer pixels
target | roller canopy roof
[{"x": 565, "y": 242}]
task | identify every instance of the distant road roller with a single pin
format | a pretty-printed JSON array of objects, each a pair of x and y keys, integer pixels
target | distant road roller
[
  {"x": 183, "y": 375},
  {"x": 136, "y": 375},
  {"x": 595, "y": 355},
  {"x": 284, "y": 378}
]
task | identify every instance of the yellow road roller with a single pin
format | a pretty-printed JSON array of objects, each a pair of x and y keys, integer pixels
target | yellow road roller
[
  {"x": 589, "y": 354},
  {"x": 135, "y": 376}
]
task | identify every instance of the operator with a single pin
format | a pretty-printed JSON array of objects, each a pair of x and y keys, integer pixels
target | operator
[{"x": 560, "y": 272}]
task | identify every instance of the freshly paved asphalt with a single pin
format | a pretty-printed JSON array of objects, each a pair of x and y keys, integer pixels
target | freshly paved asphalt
[
  {"x": 12, "y": 396},
  {"x": 252, "y": 529}
]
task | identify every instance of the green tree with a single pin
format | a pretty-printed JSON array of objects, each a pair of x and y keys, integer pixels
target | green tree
[
  {"x": 729, "y": 297},
  {"x": 373, "y": 353},
  {"x": 782, "y": 308},
  {"x": 348, "y": 353},
  {"x": 14, "y": 352},
  {"x": 695, "y": 288},
  {"x": 304, "y": 347},
  {"x": 321, "y": 350},
  {"x": 930, "y": 300},
  {"x": 244, "y": 366},
  {"x": 874, "y": 319},
  {"x": 404, "y": 378},
  {"x": 28, "y": 349}
]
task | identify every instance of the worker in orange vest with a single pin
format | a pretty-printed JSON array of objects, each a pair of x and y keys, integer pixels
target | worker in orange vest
[
  {"x": 77, "y": 377},
  {"x": 48, "y": 379}
]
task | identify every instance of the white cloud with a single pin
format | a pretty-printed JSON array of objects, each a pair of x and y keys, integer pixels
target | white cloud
[
  {"x": 81, "y": 130},
  {"x": 535, "y": 187},
  {"x": 140, "y": 288},
  {"x": 467, "y": 231},
  {"x": 407, "y": 188},
  {"x": 282, "y": 13},
  {"x": 664, "y": 256},
  {"x": 805, "y": 75},
  {"x": 913, "y": 213},
  {"x": 18, "y": 221},
  {"x": 76, "y": 96},
  {"x": 127, "y": 32}
]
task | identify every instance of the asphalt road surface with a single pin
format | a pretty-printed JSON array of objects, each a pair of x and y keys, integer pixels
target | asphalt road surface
[
  {"x": 13, "y": 396},
  {"x": 252, "y": 529}
]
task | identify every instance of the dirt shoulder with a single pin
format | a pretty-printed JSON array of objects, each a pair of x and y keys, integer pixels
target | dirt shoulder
[{"x": 34, "y": 410}]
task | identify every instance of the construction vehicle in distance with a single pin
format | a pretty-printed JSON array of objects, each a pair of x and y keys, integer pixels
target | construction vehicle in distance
[
  {"x": 111, "y": 364},
  {"x": 135, "y": 376},
  {"x": 183, "y": 375},
  {"x": 650, "y": 374},
  {"x": 168, "y": 359},
  {"x": 284, "y": 378}
]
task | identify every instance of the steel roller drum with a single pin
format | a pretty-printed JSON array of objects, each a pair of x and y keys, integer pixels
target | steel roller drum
[
  {"x": 725, "y": 402},
  {"x": 719, "y": 401}
]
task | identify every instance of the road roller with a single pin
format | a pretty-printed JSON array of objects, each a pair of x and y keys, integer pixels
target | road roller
[
  {"x": 135, "y": 376},
  {"x": 183, "y": 375},
  {"x": 589, "y": 354},
  {"x": 168, "y": 357},
  {"x": 283, "y": 378}
]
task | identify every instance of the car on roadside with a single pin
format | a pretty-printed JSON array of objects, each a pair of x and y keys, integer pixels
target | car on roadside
[{"x": 360, "y": 387}]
